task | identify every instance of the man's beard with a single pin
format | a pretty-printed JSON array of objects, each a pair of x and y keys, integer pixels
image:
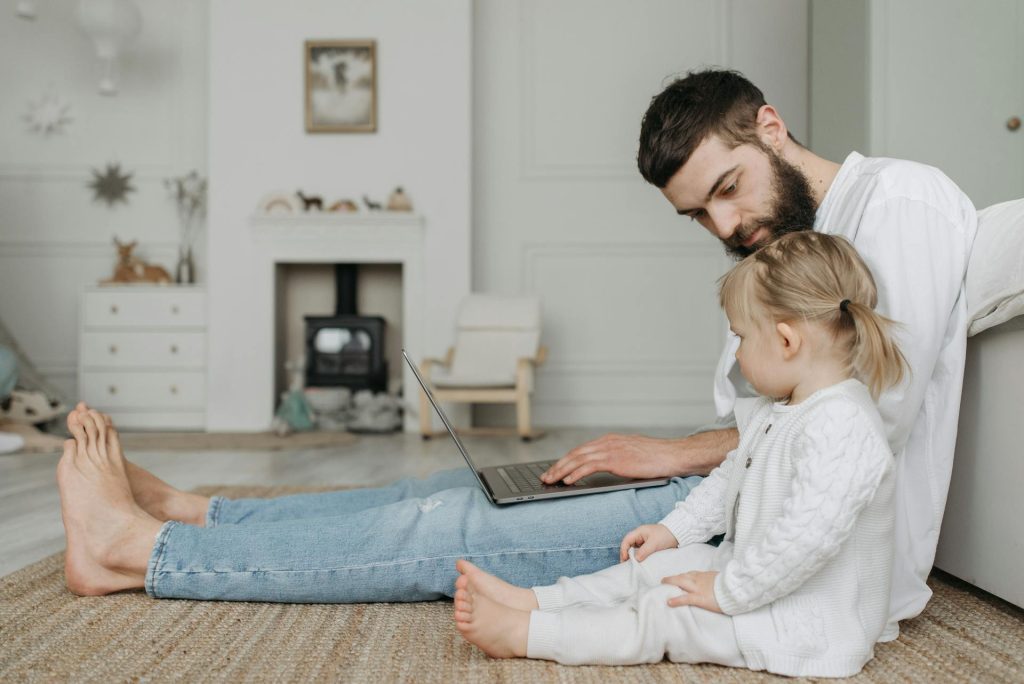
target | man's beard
[{"x": 792, "y": 209}]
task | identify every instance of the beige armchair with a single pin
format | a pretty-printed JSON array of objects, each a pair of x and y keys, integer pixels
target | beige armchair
[{"x": 497, "y": 347}]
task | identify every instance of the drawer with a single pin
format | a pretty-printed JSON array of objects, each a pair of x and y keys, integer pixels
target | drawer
[
  {"x": 165, "y": 349},
  {"x": 144, "y": 389},
  {"x": 161, "y": 307}
]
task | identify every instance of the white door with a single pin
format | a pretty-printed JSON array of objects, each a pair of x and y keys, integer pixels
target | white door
[{"x": 950, "y": 80}]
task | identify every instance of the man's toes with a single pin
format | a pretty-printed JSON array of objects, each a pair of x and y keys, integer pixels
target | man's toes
[
  {"x": 74, "y": 423},
  {"x": 88, "y": 425},
  {"x": 99, "y": 429},
  {"x": 77, "y": 430},
  {"x": 95, "y": 438}
]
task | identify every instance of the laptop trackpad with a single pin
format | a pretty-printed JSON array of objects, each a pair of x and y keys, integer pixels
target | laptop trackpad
[{"x": 604, "y": 480}]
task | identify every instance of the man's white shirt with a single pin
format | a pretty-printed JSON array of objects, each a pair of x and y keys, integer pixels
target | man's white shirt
[{"x": 914, "y": 228}]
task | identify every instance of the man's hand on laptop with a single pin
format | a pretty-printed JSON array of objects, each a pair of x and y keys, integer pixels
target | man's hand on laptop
[
  {"x": 640, "y": 457},
  {"x": 625, "y": 455}
]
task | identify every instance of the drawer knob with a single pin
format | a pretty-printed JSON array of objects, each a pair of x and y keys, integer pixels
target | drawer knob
[
  {"x": 112, "y": 389},
  {"x": 113, "y": 349},
  {"x": 174, "y": 349},
  {"x": 174, "y": 389},
  {"x": 113, "y": 308},
  {"x": 174, "y": 308}
]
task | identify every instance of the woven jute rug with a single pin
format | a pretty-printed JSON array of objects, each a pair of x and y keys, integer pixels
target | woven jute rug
[{"x": 47, "y": 634}]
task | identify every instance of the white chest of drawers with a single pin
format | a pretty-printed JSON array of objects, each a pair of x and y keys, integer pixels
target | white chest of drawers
[{"x": 142, "y": 355}]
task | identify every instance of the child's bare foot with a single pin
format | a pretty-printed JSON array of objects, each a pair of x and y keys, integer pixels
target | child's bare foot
[
  {"x": 156, "y": 497},
  {"x": 483, "y": 583},
  {"x": 496, "y": 629},
  {"x": 109, "y": 537}
]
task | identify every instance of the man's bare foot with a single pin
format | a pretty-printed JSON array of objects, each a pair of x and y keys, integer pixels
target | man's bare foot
[
  {"x": 156, "y": 497},
  {"x": 483, "y": 583},
  {"x": 109, "y": 537},
  {"x": 496, "y": 629}
]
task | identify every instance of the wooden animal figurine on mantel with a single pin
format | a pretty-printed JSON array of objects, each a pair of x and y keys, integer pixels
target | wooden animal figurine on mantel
[
  {"x": 344, "y": 206},
  {"x": 399, "y": 201},
  {"x": 132, "y": 269},
  {"x": 310, "y": 202}
]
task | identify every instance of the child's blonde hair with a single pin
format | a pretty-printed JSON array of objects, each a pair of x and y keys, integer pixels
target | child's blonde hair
[{"x": 808, "y": 276}]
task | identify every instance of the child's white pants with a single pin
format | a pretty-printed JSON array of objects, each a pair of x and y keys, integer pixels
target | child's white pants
[{"x": 621, "y": 616}]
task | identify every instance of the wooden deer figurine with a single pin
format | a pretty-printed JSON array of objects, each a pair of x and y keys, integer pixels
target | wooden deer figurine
[{"x": 132, "y": 269}]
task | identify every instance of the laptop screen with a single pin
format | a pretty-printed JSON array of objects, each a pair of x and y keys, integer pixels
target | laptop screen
[{"x": 447, "y": 424}]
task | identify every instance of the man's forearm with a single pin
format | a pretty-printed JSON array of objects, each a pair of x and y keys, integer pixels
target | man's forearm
[{"x": 701, "y": 453}]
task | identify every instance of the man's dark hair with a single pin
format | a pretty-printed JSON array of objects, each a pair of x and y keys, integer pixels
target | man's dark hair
[{"x": 703, "y": 103}]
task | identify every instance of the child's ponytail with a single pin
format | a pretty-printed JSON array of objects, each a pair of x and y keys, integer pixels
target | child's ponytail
[{"x": 875, "y": 357}]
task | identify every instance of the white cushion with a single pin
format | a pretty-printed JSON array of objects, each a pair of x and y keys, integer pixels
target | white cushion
[
  {"x": 489, "y": 357},
  {"x": 493, "y": 333},
  {"x": 995, "y": 273}
]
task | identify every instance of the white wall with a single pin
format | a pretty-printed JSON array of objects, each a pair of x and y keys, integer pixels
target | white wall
[
  {"x": 839, "y": 78},
  {"x": 54, "y": 238},
  {"x": 628, "y": 287},
  {"x": 258, "y": 144}
]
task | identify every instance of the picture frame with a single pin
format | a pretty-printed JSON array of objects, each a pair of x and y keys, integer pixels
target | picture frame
[{"x": 341, "y": 86}]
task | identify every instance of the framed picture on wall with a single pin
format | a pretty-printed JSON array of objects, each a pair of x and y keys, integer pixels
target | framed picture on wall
[{"x": 341, "y": 86}]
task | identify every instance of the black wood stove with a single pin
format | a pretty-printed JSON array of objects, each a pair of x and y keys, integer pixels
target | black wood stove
[{"x": 346, "y": 349}]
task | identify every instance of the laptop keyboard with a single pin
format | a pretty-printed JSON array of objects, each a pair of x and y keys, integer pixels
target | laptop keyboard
[{"x": 526, "y": 478}]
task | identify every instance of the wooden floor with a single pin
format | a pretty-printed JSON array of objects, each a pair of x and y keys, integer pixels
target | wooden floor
[{"x": 31, "y": 529}]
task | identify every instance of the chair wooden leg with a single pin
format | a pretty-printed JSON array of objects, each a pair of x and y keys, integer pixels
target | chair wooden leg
[
  {"x": 426, "y": 417},
  {"x": 523, "y": 414}
]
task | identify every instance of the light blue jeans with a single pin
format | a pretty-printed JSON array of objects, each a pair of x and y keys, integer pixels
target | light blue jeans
[{"x": 394, "y": 543}]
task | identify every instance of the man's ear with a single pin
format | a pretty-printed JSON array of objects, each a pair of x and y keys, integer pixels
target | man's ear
[
  {"x": 771, "y": 128},
  {"x": 790, "y": 338}
]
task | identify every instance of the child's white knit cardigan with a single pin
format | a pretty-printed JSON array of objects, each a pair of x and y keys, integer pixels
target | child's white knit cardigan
[{"x": 806, "y": 500}]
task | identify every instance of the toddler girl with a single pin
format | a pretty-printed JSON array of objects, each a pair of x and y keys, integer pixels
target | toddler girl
[{"x": 800, "y": 586}]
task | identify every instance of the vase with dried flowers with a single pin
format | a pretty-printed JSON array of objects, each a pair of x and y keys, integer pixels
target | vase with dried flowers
[{"x": 189, "y": 194}]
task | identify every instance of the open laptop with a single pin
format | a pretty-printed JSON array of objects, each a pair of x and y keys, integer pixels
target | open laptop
[{"x": 518, "y": 482}]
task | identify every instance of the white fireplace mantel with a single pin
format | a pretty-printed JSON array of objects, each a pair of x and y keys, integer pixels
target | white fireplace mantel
[
  {"x": 359, "y": 238},
  {"x": 387, "y": 231}
]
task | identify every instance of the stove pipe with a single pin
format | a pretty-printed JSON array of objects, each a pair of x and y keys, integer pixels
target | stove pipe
[{"x": 345, "y": 289}]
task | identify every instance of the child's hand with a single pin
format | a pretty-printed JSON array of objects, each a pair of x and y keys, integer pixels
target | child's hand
[
  {"x": 649, "y": 538},
  {"x": 699, "y": 588}
]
